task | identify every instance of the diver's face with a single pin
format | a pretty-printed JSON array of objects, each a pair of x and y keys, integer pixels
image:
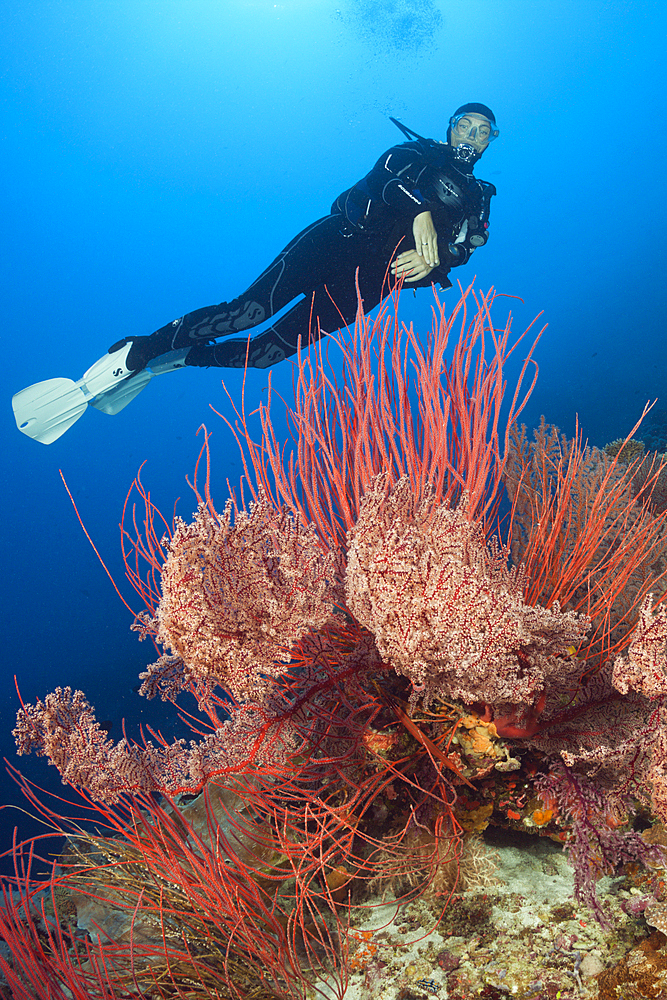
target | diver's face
[{"x": 473, "y": 130}]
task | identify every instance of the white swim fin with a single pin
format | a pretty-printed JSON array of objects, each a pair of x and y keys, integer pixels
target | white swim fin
[
  {"x": 44, "y": 411},
  {"x": 116, "y": 398}
]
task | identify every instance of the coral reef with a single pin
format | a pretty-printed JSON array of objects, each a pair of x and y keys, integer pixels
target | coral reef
[{"x": 385, "y": 663}]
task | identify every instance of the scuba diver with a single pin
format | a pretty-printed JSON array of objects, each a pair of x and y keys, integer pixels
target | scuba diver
[{"x": 417, "y": 214}]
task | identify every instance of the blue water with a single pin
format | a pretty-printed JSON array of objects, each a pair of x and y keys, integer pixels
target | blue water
[{"x": 157, "y": 155}]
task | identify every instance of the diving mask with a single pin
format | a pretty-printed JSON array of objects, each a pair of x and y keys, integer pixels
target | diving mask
[{"x": 474, "y": 129}]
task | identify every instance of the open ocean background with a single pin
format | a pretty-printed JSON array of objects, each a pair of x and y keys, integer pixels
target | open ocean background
[{"x": 157, "y": 154}]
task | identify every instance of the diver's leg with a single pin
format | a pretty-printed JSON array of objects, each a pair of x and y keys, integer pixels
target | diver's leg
[
  {"x": 294, "y": 270},
  {"x": 330, "y": 307},
  {"x": 273, "y": 345}
]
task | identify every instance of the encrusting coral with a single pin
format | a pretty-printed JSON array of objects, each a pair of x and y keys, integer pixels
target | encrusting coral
[{"x": 386, "y": 662}]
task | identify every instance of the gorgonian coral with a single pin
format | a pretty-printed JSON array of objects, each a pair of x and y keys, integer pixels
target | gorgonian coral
[
  {"x": 444, "y": 608},
  {"x": 239, "y": 591}
]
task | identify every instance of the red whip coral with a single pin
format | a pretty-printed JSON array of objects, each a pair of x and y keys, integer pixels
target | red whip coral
[
  {"x": 431, "y": 411},
  {"x": 585, "y": 536}
]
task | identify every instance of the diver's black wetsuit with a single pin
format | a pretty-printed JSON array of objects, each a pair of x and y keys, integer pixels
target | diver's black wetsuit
[{"x": 368, "y": 225}]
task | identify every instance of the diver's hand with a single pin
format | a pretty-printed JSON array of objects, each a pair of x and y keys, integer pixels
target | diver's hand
[
  {"x": 410, "y": 266},
  {"x": 426, "y": 238}
]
